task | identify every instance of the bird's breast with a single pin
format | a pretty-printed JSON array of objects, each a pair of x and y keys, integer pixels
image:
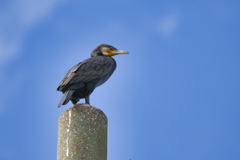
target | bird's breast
[{"x": 111, "y": 68}]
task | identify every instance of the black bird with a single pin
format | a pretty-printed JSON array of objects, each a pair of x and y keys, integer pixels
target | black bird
[{"x": 80, "y": 81}]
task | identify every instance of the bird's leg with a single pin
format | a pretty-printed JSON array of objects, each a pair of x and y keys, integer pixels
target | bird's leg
[
  {"x": 87, "y": 99},
  {"x": 89, "y": 89}
]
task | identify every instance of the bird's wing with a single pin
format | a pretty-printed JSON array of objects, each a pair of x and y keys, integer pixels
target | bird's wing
[{"x": 86, "y": 71}]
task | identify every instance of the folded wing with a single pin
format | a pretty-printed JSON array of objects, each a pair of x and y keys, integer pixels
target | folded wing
[{"x": 86, "y": 71}]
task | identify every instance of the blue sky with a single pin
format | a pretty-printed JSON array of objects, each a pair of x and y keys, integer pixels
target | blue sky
[{"x": 175, "y": 96}]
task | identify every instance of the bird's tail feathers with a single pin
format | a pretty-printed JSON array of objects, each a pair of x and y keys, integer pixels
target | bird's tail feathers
[{"x": 66, "y": 97}]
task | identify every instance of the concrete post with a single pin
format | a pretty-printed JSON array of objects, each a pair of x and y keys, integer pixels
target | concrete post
[{"x": 82, "y": 133}]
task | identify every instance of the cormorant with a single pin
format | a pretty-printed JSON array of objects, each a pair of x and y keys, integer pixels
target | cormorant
[{"x": 80, "y": 81}]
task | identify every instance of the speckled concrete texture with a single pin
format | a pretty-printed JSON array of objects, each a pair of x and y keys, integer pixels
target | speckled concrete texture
[{"x": 82, "y": 133}]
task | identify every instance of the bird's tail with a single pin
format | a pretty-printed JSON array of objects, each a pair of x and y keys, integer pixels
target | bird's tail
[{"x": 66, "y": 97}]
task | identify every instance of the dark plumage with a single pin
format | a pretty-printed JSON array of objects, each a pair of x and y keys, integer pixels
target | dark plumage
[{"x": 80, "y": 81}]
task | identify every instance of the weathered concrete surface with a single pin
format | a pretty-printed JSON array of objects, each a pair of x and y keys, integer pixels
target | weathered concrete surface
[{"x": 82, "y": 133}]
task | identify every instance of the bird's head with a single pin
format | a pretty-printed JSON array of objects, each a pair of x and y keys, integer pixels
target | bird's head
[{"x": 106, "y": 50}]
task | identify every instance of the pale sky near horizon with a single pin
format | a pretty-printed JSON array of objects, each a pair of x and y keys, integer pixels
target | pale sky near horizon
[{"x": 175, "y": 96}]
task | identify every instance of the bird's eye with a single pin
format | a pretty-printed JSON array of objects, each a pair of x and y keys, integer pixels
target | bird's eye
[{"x": 111, "y": 48}]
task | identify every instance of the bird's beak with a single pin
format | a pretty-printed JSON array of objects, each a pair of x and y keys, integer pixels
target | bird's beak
[{"x": 119, "y": 52}]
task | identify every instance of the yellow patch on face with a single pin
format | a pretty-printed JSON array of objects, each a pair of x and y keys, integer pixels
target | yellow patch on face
[{"x": 110, "y": 53}]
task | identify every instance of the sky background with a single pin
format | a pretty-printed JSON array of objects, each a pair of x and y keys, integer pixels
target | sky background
[{"x": 175, "y": 96}]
